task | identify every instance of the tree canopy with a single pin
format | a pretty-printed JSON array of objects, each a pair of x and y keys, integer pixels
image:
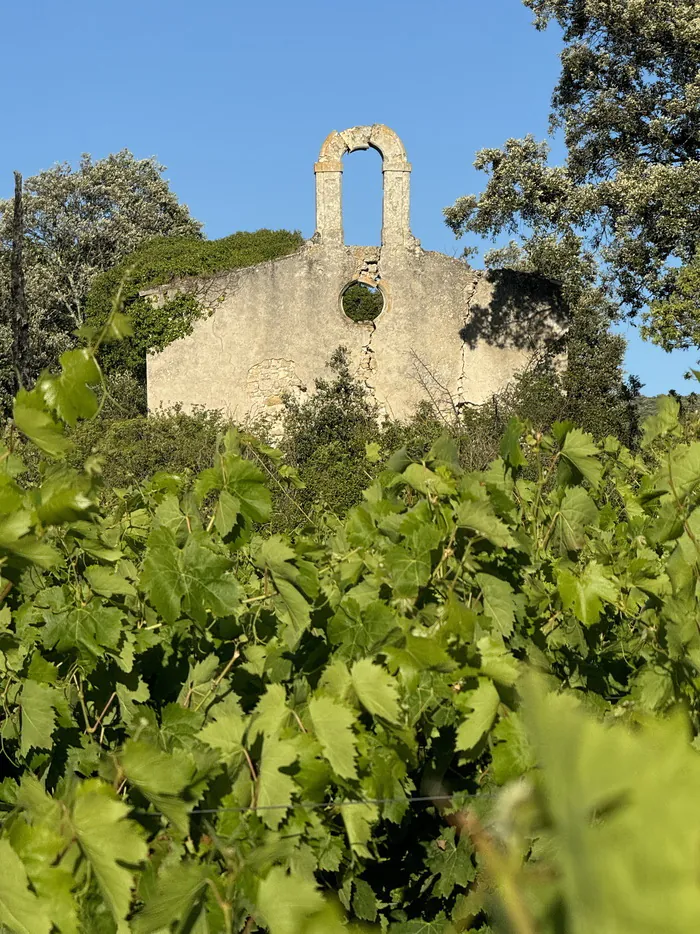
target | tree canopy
[
  {"x": 628, "y": 105},
  {"x": 79, "y": 222}
]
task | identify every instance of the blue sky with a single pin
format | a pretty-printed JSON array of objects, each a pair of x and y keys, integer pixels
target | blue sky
[{"x": 236, "y": 98}]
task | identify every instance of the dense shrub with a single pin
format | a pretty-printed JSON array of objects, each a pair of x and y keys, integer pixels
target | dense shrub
[
  {"x": 133, "y": 449},
  {"x": 165, "y": 260}
]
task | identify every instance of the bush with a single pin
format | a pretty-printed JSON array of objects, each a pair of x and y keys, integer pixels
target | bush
[
  {"x": 165, "y": 260},
  {"x": 132, "y": 449}
]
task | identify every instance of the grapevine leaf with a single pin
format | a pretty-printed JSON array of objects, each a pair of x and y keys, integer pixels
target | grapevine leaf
[
  {"x": 161, "y": 576},
  {"x": 585, "y": 593},
  {"x": 451, "y": 862},
  {"x": 20, "y": 909},
  {"x": 272, "y": 712},
  {"x": 69, "y": 394},
  {"x": 484, "y": 703},
  {"x": 274, "y": 787},
  {"x": 111, "y": 843},
  {"x": 226, "y": 730},
  {"x": 512, "y": 752},
  {"x": 480, "y": 518},
  {"x": 287, "y": 903},
  {"x": 178, "y": 887},
  {"x": 209, "y": 585},
  {"x": 499, "y": 602},
  {"x": 580, "y": 450},
  {"x": 105, "y": 581},
  {"x": 228, "y": 509},
  {"x": 293, "y": 609},
  {"x": 247, "y": 484},
  {"x": 33, "y": 421},
  {"x": 577, "y": 514},
  {"x": 364, "y": 901},
  {"x": 332, "y": 724},
  {"x": 408, "y": 570},
  {"x": 358, "y": 820},
  {"x": 38, "y": 716},
  {"x": 376, "y": 690},
  {"x": 424, "y": 480},
  {"x": 510, "y": 450}
]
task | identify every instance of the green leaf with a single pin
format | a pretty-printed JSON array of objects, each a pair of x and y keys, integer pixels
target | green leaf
[
  {"x": 358, "y": 820},
  {"x": 38, "y": 716},
  {"x": 272, "y": 712},
  {"x": 510, "y": 449},
  {"x": 33, "y": 421},
  {"x": 226, "y": 730},
  {"x": 332, "y": 723},
  {"x": 577, "y": 515},
  {"x": 623, "y": 815},
  {"x": 20, "y": 909},
  {"x": 287, "y": 903},
  {"x": 376, "y": 690},
  {"x": 451, "y": 862},
  {"x": 274, "y": 787},
  {"x": 178, "y": 887},
  {"x": 161, "y": 576},
  {"x": 247, "y": 484},
  {"x": 585, "y": 593},
  {"x": 153, "y": 770},
  {"x": 424, "y": 480},
  {"x": 511, "y": 752},
  {"x": 581, "y": 451},
  {"x": 499, "y": 602},
  {"x": 105, "y": 581},
  {"x": 210, "y": 586},
  {"x": 228, "y": 509},
  {"x": 407, "y": 571},
  {"x": 496, "y": 662},
  {"x": 364, "y": 901},
  {"x": 111, "y": 843},
  {"x": 665, "y": 420},
  {"x": 480, "y": 517},
  {"x": 69, "y": 394},
  {"x": 293, "y": 609},
  {"x": 484, "y": 703}
]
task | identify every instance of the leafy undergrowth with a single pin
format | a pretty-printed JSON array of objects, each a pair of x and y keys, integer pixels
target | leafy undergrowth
[{"x": 402, "y": 719}]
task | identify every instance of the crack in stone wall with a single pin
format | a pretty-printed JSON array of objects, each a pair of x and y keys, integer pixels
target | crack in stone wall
[
  {"x": 469, "y": 293},
  {"x": 446, "y": 332}
]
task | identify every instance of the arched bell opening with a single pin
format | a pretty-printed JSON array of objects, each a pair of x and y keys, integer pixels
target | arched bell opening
[{"x": 361, "y": 198}]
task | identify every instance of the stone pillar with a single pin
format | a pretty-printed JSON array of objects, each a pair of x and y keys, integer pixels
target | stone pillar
[
  {"x": 396, "y": 207},
  {"x": 329, "y": 202}
]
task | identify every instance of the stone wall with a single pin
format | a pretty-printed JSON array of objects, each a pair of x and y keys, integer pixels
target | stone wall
[{"x": 446, "y": 332}]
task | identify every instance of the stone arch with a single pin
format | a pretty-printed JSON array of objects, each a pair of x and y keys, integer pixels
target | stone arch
[{"x": 397, "y": 172}]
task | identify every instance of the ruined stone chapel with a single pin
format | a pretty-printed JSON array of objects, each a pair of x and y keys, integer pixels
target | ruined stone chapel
[{"x": 444, "y": 332}]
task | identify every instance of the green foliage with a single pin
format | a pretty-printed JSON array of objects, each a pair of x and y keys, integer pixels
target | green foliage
[
  {"x": 362, "y": 302},
  {"x": 674, "y": 318},
  {"x": 132, "y": 450},
  {"x": 167, "y": 260},
  {"x": 80, "y": 221},
  {"x": 628, "y": 104},
  {"x": 211, "y": 729}
]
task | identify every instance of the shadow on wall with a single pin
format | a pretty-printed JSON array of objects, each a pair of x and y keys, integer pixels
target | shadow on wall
[{"x": 524, "y": 311}]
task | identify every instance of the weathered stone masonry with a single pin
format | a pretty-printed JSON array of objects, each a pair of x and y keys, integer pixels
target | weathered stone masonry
[{"x": 446, "y": 331}]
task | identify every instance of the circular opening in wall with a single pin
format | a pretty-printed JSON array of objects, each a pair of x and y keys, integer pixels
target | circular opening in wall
[{"x": 362, "y": 302}]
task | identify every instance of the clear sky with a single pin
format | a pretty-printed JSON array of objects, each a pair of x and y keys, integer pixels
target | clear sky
[{"x": 235, "y": 99}]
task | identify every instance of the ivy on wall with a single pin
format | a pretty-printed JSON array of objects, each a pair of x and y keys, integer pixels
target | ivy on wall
[{"x": 164, "y": 260}]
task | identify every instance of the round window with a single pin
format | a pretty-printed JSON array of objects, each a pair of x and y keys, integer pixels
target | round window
[{"x": 362, "y": 302}]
